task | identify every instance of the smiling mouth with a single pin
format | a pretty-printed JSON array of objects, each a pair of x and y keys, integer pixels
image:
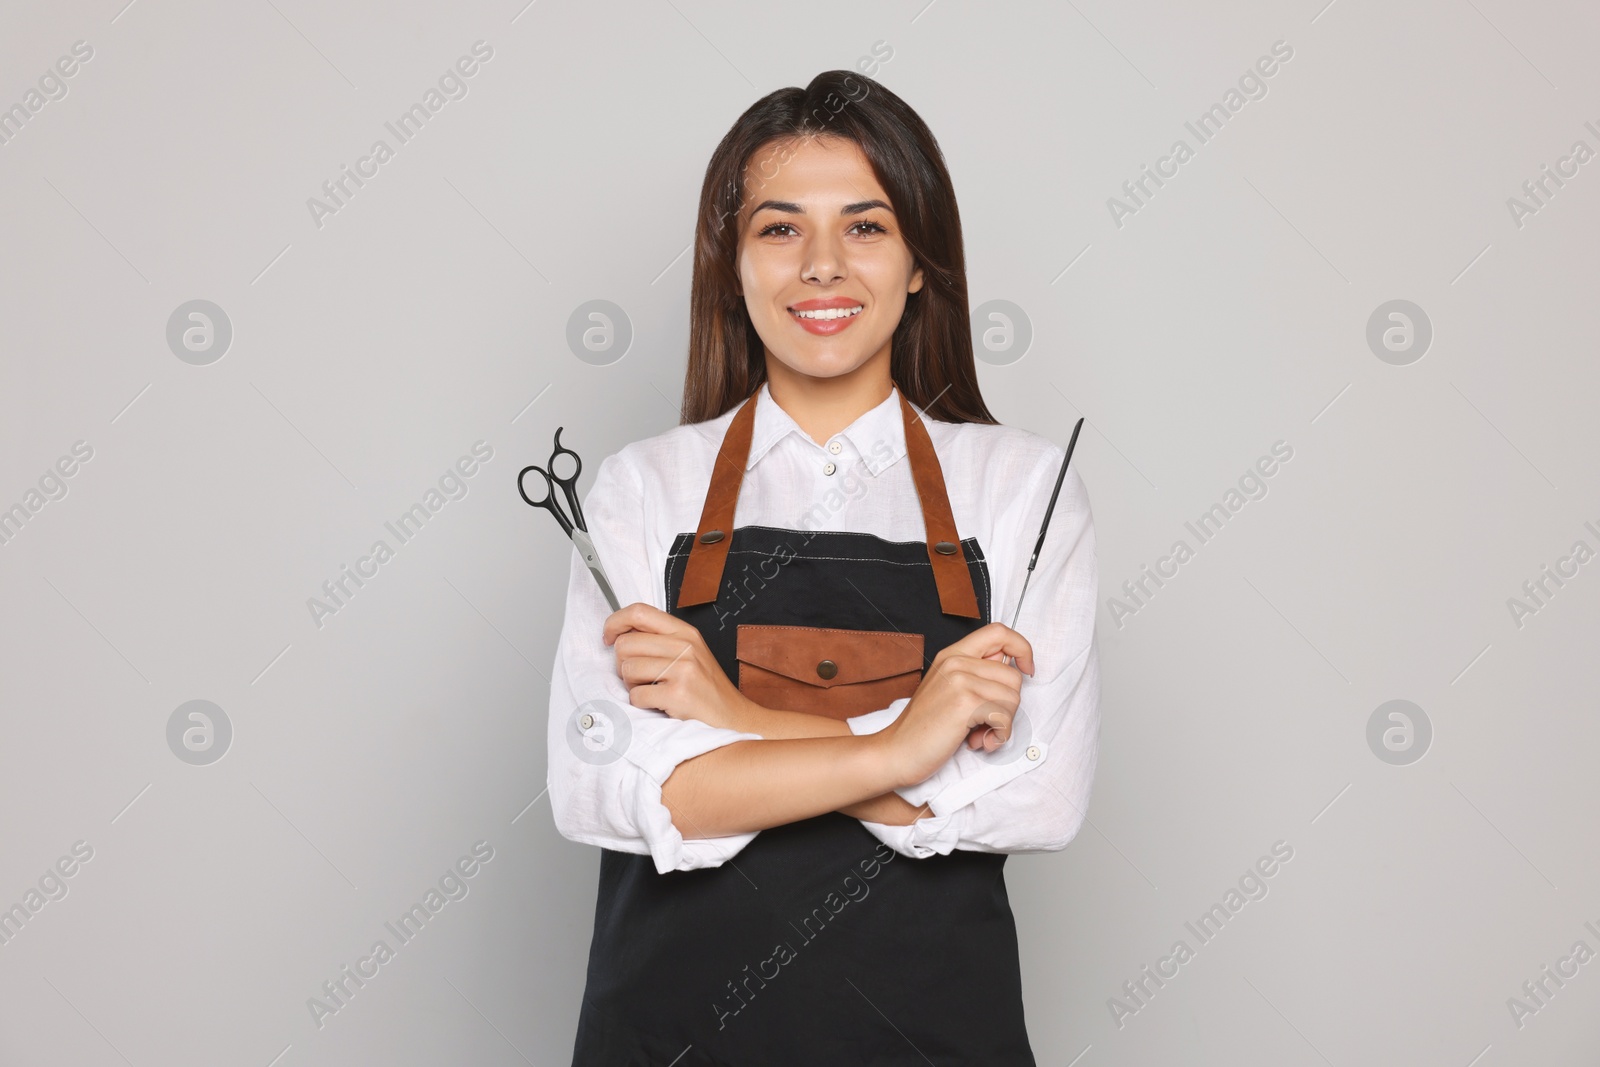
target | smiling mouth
[{"x": 827, "y": 313}]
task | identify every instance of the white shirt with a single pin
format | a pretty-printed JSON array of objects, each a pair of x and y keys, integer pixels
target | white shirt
[{"x": 1028, "y": 796}]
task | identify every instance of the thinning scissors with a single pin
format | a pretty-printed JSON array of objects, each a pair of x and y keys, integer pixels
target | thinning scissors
[
  {"x": 1044, "y": 526},
  {"x": 575, "y": 527}
]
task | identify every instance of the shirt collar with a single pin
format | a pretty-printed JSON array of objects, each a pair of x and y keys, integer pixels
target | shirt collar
[{"x": 878, "y": 435}]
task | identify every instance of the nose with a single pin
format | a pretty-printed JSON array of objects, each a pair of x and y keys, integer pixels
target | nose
[{"x": 824, "y": 259}]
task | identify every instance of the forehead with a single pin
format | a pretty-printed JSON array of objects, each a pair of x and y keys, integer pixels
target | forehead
[{"x": 814, "y": 172}]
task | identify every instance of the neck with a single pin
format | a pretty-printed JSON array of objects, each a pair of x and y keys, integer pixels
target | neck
[{"x": 824, "y": 406}]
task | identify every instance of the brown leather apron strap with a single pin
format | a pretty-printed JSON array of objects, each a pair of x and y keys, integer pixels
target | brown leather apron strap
[
  {"x": 708, "y": 555},
  {"x": 950, "y": 572},
  {"x": 702, "y": 575}
]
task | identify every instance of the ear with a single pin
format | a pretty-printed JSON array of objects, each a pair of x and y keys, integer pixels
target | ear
[{"x": 916, "y": 281}]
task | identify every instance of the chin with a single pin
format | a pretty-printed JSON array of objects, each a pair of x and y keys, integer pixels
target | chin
[
  {"x": 824, "y": 364},
  {"x": 823, "y": 368}
]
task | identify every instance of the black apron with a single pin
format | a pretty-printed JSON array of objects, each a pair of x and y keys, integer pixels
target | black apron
[{"x": 816, "y": 945}]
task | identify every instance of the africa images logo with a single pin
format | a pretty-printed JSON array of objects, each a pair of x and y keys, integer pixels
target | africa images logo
[
  {"x": 453, "y": 885},
  {"x": 337, "y": 192},
  {"x": 851, "y": 889},
  {"x": 452, "y": 485}
]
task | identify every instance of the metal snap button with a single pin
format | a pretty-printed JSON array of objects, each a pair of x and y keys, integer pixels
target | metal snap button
[
  {"x": 711, "y": 537},
  {"x": 835, "y": 447},
  {"x": 1033, "y": 752},
  {"x": 829, "y": 468},
  {"x": 586, "y": 722},
  {"x": 827, "y": 668},
  {"x": 945, "y": 548}
]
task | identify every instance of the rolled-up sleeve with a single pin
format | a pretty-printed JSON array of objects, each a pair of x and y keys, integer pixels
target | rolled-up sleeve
[
  {"x": 1032, "y": 793},
  {"x": 607, "y": 758}
]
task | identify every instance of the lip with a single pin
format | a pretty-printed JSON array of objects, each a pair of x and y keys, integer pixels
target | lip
[
  {"x": 824, "y": 303},
  {"x": 826, "y": 327}
]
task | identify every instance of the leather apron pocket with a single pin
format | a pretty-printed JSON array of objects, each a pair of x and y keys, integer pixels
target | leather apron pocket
[{"x": 828, "y": 671}]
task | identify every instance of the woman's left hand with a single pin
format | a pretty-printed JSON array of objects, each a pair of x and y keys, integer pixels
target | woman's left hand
[{"x": 666, "y": 665}]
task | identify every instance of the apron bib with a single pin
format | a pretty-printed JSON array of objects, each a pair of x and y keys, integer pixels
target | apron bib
[{"x": 816, "y": 945}]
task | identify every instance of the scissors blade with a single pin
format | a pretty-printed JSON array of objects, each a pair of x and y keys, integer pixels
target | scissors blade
[{"x": 591, "y": 559}]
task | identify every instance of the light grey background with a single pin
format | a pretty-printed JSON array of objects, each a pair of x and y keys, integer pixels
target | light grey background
[{"x": 368, "y": 354}]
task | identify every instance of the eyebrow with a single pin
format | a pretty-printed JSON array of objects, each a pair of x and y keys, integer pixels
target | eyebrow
[{"x": 795, "y": 209}]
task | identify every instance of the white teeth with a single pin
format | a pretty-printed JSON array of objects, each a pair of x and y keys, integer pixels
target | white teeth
[{"x": 829, "y": 313}]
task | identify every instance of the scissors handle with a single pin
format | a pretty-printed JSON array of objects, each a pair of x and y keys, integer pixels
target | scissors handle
[
  {"x": 548, "y": 501},
  {"x": 569, "y": 485},
  {"x": 576, "y": 527}
]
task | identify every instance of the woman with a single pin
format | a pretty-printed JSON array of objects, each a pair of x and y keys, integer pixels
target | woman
[{"x": 805, "y": 746}]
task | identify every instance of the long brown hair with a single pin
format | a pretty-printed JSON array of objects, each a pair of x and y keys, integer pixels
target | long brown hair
[{"x": 931, "y": 351}]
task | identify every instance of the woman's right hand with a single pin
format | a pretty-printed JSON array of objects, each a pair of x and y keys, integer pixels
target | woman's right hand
[{"x": 966, "y": 687}]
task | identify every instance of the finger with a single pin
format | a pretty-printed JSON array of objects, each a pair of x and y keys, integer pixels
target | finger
[
  {"x": 988, "y": 666},
  {"x": 996, "y": 637},
  {"x": 996, "y": 736},
  {"x": 987, "y": 738},
  {"x": 643, "y": 643},
  {"x": 995, "y": 715},
  {"x": 991, "y": 716},
  {"x": 639, "y": 616},
  {"x": 988, "y": 669},
  {"x": 644, "y": 670},
  {"x": 1020, "y": 649},
  {"x": 622, "y": 620},
  {"x": 647, "y": 696},
  {"x": 982, "y": 681},
  {"x": 987, "y": 701}
]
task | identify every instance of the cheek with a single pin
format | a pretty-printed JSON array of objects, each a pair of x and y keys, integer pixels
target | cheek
[
  {"x": 760, "y": 279},
  {"x": 888, "y": 287},
  {"x": 887, "y": 271}
]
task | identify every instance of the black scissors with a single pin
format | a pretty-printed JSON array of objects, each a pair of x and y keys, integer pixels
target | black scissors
[
  {"x": 574, "y": 527},
  {"x": 1048, "y": 511}
]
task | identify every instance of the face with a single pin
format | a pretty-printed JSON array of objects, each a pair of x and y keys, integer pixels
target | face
[{"x": 822, "y": 266}]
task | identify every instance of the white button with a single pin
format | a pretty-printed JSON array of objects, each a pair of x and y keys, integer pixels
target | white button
[
  {"x": 586, "y": 722},
  {"x": 828, "y": 468},
  {"x": 1033, "y": 752},
  {"x": 835, "y": 447}
]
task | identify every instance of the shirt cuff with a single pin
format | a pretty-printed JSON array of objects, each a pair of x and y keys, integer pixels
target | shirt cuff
[
  {"x": 873, "y": 721},
  {"x": 668, "y": 848},
  {"x": 968, "y": 775},
  {"x": 929, "y": 836}
]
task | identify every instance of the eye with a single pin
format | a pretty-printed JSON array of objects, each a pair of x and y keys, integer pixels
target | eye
[{"x": 866, "y": 226}]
